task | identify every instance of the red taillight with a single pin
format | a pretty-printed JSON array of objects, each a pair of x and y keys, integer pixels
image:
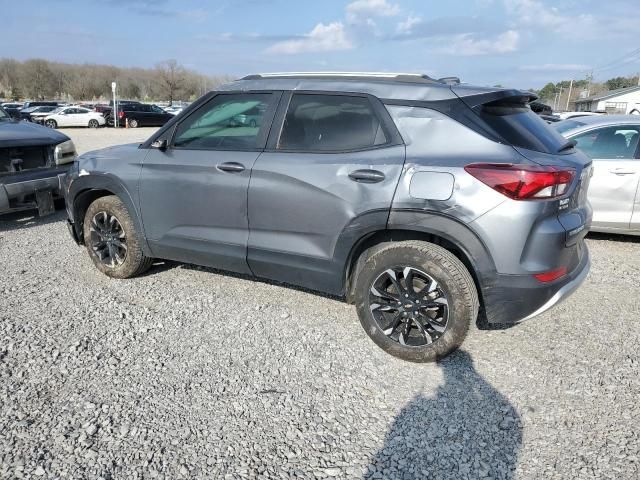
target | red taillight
[
  {"x": 552, "y": 275},
  {"x": 522, "y": 182},
  {"x": 120, "y": 114}
]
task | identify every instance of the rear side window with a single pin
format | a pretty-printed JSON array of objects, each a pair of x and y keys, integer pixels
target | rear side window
[
  {"x": 610, "y": 142},
  {"x": 520, "y": 127},
  {"x": 330, "y": 123},
  {"x": 227, "y": 122}
]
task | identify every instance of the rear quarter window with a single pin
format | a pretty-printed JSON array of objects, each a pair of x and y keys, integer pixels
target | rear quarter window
[{"x": 516, "y": 124}]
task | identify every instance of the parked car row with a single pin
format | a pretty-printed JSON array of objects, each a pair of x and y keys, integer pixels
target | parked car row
[{"x": 54, "y": 114}]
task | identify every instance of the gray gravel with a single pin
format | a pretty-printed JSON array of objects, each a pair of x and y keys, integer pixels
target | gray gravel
[{"x": 190, "y": 373}]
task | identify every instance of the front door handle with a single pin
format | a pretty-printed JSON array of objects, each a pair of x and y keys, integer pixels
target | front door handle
[
  {"x": 622, "y": 171},
  {"x": 231, "y": 167},
  {"x": 366, "y": 176}
]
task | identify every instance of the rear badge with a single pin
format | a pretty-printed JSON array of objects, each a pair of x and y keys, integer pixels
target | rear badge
[{"x": 563, "y": 204}]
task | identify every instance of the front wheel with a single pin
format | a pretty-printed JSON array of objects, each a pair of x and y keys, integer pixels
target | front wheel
[
  {"x": 51, "y": 123},
  {"x": 415, "y": 300},
  {"x": 93, "y": 123},
  {"x": 112, "y": 240}
]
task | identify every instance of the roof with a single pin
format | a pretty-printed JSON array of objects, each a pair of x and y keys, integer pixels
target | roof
[
  {"x": 609, "y": 94},
  {"x": 591, "y": 121},
  {"x": 400, "y": 77},
  {"x": 387, "y": 86}
]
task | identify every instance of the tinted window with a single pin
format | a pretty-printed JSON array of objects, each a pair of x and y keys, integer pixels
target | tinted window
[
  {"x": 225, "y": 122},
  {"x": 156, "y": 109},
  {"x": 324, "y": 123},
  {"x": 610, "y": 142},
  {"x": 567, "y": 125},
  {"x": 520, "y": 127}
]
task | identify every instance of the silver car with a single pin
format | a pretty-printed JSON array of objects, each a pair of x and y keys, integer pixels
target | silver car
[{"x": 612, "y": 142}]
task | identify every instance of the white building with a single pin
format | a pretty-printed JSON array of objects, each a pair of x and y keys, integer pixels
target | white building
[{"x": 623, "y": 100}]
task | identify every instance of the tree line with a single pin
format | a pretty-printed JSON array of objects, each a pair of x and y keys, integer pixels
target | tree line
[
  {"x": 38, "y": 79},
  {"x": 558, "y": 92}
]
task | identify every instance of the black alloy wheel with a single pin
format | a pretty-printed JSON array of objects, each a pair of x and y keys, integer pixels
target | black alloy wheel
[
  {"x": 409, "y": 306},
  {"x": 108, "y": 239}
]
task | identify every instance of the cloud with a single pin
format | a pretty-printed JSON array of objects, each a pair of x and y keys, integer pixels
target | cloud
[
  {"x": 405, "y": 27},
  {"x": 364, "y": 10},
  {"x": 554, "y": 67},
  {"x": 323, "y": 38},
  {"x": 469, "y": 45}
]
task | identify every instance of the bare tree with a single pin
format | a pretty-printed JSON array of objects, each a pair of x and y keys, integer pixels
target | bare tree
[{"x": 172, "y": 78}]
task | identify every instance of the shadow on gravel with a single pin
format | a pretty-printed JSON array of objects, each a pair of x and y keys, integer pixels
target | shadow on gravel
[
  {"x": 466, "y": 430},
  {"x": 28, "y": 219},
  {"x": 613, "y": 237}
]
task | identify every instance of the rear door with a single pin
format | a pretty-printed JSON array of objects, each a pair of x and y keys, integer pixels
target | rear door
[
  {"x": 328, "y": 176},
  {"x": 193, "y": 195},
  {"x": 616, "y": 174}
]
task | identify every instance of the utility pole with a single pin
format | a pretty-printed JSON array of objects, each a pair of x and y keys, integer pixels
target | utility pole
[{"x": 569, "y": 96}]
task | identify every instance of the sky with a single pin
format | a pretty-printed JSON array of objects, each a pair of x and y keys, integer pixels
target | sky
[{"x": 519, "y": 43}]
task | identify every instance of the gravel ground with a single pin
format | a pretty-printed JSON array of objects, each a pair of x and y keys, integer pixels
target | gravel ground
[{"x": 187, "y": 372}]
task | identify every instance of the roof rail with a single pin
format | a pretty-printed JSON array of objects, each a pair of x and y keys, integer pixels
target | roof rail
[{"x": 401, "y": 77}]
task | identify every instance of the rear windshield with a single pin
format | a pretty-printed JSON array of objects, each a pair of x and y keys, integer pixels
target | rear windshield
[
  {"x": 519, "y": 126},
  {"x": 567, "y": 125}
]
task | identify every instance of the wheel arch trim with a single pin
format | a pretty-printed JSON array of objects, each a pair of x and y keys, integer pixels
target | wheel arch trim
[{"x": 86, "y": 189}]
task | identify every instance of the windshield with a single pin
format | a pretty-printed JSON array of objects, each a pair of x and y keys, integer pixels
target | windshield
[
  {"x": 566, "y": 125},
  {"x": 4, "y": 116}
]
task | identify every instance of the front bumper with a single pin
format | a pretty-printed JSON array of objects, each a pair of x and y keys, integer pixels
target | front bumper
[
  {"x": 512, "y": 299},
  {"x": 14, "y": 188}
]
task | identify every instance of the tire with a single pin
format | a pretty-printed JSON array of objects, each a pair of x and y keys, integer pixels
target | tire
[
  {"x": 93, "y": 123},
  {"x": 51, "y": 123},
  {"x": 444, "y": 314},
  {"x": 133, "y": 123},
  {"x": 128, "y": 262}
]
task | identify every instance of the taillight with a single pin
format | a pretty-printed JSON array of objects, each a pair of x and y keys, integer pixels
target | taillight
[
  {"x": 523, "y": 182},
  {"x": 120, "y": 114},
  {"x": 552, "y": 275}
]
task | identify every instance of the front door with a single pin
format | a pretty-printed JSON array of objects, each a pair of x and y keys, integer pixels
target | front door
[
  {"x": 327, "y": 178},
  {"x": 193, "y": 195},
  {"x": 616, "y": 173}
]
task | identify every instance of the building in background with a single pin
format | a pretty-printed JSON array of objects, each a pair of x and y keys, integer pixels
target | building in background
[{"x": 621, "y": 101}]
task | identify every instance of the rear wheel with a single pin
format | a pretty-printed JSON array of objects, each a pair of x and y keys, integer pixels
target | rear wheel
[
  {"x": 112, "y": 240},
  {"x": 133, "y": 123},
  {"x": 93, "y": 123},
  {"x": 415, "y": 300},
  {"x": 51, "y": 123}
]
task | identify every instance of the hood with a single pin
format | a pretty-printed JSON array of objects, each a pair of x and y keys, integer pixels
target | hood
[{"x": 25, "y": 134}]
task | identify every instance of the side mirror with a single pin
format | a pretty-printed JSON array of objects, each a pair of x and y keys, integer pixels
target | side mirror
[{"x": 160, "y": 144}]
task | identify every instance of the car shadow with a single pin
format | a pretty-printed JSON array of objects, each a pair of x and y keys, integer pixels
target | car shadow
[
  {"x": 613, "y": 237},
  {"x": 468, "y": 429},
  {"x": 29, "y": 218}
]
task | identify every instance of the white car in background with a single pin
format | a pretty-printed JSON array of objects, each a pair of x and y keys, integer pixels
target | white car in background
[
  {"x": 74, "y": 117},
  {"x": 568, "y": 115}
]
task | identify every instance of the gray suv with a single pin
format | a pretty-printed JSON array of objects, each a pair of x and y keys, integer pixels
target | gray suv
[{"x": 428, "y": 204}]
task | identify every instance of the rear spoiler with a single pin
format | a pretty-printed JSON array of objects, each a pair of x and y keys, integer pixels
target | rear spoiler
[{"x": 474, "y": 97}]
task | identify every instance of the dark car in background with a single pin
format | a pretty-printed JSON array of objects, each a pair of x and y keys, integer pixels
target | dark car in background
[
  {"x": 142, "y": 115},
  {"x": 40, "y": 104},
  {"x": 32, "y": 160},
  {"x": 12, "y": 108},
  {"x": 31, "y": 114}
]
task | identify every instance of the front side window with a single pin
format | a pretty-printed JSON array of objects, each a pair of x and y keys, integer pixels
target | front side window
[
  {"x": 326, "y": 123},
  {"x": 610, "y": 142},
  {"x": 226, "y": 122}
]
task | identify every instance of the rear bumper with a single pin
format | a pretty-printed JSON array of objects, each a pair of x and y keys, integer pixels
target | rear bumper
[
  {"x": 512, "y": 299},
  {"x": 16, "y": 187}
]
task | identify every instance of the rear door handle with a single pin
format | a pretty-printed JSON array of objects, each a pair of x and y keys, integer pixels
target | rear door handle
[
  {"x": 622, "y": 171},
  {"x": 231, "y": 167},
  {"x": 366, "y": 176}
]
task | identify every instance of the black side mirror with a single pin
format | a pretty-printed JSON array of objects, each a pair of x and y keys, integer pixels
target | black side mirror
[{"x": 160, "y": 144}]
